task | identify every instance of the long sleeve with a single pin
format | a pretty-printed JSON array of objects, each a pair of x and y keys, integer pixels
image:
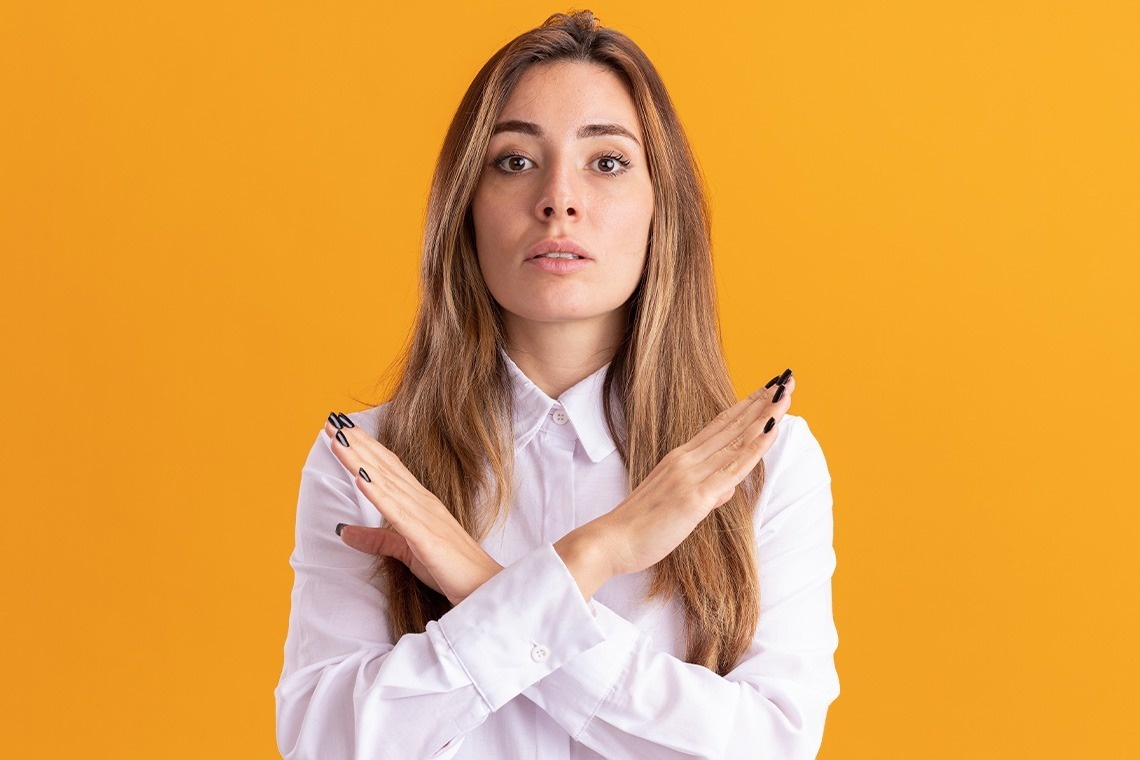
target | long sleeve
[
  {"x": 348, "y": 692},
  {"x": 523, "y": 667},
  {"x": 626, "y": 700}
]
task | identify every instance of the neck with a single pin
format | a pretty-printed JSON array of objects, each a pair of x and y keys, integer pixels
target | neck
[{"x": 558, "y": 355}]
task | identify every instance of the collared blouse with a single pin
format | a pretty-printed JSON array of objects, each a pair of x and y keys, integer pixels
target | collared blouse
[{"x": 524, "y": 667}]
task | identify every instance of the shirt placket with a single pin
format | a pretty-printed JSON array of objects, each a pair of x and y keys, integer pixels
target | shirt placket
[{"x": 560, "y": 442}]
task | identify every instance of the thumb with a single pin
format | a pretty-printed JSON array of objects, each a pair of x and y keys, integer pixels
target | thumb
[{"x": 379, "y": 541}]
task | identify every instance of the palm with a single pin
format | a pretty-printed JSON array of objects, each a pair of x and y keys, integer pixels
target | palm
[{"x": 388, "y": 543}]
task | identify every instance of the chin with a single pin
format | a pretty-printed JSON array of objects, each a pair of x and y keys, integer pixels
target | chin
[{"x": 560, "y": 314}]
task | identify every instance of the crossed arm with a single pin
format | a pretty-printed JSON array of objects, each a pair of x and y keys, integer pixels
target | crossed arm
[
  {"x": 349, "y": 692},
  {"x": 689, "y": 483}
]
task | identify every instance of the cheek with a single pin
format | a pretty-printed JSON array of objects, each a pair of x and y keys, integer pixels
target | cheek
[
  {"x": 483, "y": 214},
  {"x": 635, "y": 207},
  {"x": 493, "y": 213},
  {"x": 631, "y": 221},
  {"x": 479, "y": 213}
]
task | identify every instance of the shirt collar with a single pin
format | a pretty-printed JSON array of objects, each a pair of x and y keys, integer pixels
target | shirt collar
[{"x": 582, "y": 404}]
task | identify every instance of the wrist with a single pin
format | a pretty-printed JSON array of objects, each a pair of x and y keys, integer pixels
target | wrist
[{"x": 585, "y": 557}]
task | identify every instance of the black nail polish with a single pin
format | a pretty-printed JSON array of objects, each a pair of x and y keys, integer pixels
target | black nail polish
[
  {"x": 770, "y": 424},
  {"x": 336, "y": 422},
  {"x": 340, "y": 437},
  {"x": 779, "y": 395},
  {"x": 772, "y": 382},
  {"x": 364, "y": 475},
  {"x": 350, "y": 424},
  {"x": 784, "y": 377},
  {"x": 340, "y": 527}
]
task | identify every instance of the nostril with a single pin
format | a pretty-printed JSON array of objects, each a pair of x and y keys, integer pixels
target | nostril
[
  {"x": 548, "y": 211},
  {"x": 570, "y": 212}
]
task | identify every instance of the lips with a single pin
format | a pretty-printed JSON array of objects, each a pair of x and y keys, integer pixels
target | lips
[{"x": 556, "y": 245}]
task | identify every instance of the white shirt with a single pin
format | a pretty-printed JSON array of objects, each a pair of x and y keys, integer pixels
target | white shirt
[{"x": 524, "y": 667}]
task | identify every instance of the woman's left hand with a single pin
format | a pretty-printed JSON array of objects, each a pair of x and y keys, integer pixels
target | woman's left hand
[
  {"x": 422, "y": 533},
  {"x": 685, "y": 486}
]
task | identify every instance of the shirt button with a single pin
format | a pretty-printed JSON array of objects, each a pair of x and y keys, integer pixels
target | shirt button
[
  {"x": 560, "y": 417},
  {"x": 540, "y": 653}
]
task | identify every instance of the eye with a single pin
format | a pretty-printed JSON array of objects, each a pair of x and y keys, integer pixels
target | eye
[
  {"x": 611, "y": 163},
  {"x": 513, "y": 163}
]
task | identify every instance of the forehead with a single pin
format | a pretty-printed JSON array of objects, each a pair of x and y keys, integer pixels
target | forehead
[{"x": 569, "y": 94}]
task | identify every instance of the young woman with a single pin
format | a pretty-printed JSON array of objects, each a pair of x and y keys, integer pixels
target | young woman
[{"x": 561, "y": 538}]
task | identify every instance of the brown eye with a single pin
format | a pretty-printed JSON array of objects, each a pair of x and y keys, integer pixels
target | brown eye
[
  {"x": 613, "y": 163},
  {"x": 514, "y": 164}
]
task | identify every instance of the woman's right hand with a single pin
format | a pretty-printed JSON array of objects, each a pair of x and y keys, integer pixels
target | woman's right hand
[
  {"x": 690, "y": 482},
  {"x": 384, "y": 541},
  {"x": 427, "y": 537}
]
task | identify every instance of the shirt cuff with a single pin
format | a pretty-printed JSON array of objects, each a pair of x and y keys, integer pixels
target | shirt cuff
[
  {"x": 523, "y": 624},
  {"x": 573, "y": 695}
]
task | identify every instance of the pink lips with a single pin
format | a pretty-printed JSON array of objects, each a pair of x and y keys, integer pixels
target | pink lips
[
  {"x": 556, "y": 245},
  {"x": 535, "y": 256}
]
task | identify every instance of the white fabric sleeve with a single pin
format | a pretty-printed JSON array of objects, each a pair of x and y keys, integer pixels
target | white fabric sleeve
[
  {"x": 627, "y": 701},
  {"x": 346, "y": 691}
]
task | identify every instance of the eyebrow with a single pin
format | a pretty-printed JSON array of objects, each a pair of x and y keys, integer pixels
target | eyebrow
[{"x": 589, "y": 130}]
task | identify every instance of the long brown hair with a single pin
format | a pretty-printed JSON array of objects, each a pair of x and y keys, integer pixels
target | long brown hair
[{"x": 449, "y": 418}]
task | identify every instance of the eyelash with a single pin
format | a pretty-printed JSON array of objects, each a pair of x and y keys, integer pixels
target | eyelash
[
  {"x": 498, "y": 162},
  {"x": 613, "y": 155},
  {"x": 623, "y": 162}
]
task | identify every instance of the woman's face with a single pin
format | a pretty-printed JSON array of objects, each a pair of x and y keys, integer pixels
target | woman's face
[{"x": 563, "y": 207}]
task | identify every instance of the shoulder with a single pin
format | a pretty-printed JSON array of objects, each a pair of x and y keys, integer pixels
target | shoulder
[
  {"x": 328, "y": 493},
  {"x": 794, "y": 443},
  {"x": 794, "y": 468},
  {"x": 369, "y": 420},
  {"x": 321, "y": 458}
]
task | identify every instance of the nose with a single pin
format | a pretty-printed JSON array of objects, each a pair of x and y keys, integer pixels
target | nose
[{"x": 560, "y": 196}]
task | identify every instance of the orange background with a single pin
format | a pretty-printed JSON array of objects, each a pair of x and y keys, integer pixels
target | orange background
[{"x": 209, "y": 219}]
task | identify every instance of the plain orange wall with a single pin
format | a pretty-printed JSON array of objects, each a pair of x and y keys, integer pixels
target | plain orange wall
[{"x": 209, "y": 220}]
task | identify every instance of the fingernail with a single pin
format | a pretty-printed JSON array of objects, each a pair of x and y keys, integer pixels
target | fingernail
[
  {"x": 336, "y": 422},
  {"x": 772, "y": 382},
  {"x": 779, "y": 395},
  {"x": 340, "y": 437},
  {"x": 340, "y": 527},
  {"x": 770, "y": 424},
  {"x": 784, "y": 377},
  {"x": 350, "y": 424},
  {"x": 364, "y": 475}
]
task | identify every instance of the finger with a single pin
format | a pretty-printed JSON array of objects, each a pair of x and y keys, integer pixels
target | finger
[
  {"x": 340, "y": 435},
  {"x": 345, "y": 435},
  {"x": 767, "y": 423},
  {"x": 338, "y": 422},
  {"x": 384, "y": 542},
  {"x": 731, "y": 464},
  {"x": 736, "y": 465},
  {"x": 383, "y": 479},
  {"x": 739, "y": 431},
  {"x": 341, "y": 420},
  {"x": 377, "y": 473},
  {"x": 723, "y": 420},
  {"x": 391, "y": 497},
  {"x": 411, "y": 510},
  {"x": 356, "y": 449},
  {"x": 789, "y": 386},
  {"x": 370, "y": 453},
  {"x": 340, "y": 428},
  {"x": 398, "y": 496},
  {"x": 737, "y": 415},
  {"x": 352, "y": 452},
  {"x": 377, "y": 541}
]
